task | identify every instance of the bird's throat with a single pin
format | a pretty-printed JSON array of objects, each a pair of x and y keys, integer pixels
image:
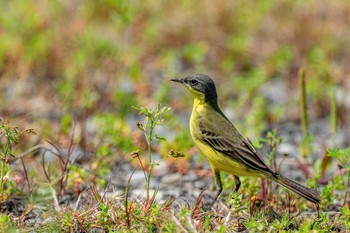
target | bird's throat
[{"x": 198, "y": 105}]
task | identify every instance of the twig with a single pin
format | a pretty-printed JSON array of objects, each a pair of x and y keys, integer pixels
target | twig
[
  {"x": 58, "y": 154},
  {"x": 127, "y": 214},
  {"x": 26, "y": 175},
  {"x": 189, "y": 220},
  {"x": 16, "y": 208},
  {"x": 227, "y": 218},
  {"x": 55, "y": 199},
  {"x": 77, "y": 203},
  {"x": 27, "y": 152},
  {"x": 47, "y": 176},
  {"x": 196, "y": 205},
  {"x": 178, "y": 223},
  {"x": 65, "y": 167},
  {"x": 53, "y": 191}
]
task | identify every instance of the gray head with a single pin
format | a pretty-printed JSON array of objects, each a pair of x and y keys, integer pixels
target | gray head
[{"x": 199, "y": 85}]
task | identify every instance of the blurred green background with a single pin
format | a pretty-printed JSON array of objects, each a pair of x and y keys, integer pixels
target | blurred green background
[{"x": 93, "y": 60}]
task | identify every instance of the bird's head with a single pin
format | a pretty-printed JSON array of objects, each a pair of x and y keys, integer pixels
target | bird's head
[{"x": 201, "y": 86}]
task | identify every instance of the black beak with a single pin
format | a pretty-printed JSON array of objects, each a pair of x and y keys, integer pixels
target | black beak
[{"x": 177, "y": 80}]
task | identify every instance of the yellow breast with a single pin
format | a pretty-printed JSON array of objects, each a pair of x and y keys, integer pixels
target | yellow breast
[{"x": 215, "y": 158}]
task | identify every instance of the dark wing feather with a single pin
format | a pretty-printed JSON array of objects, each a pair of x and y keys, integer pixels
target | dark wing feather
[{"x": 238, "y": 149}]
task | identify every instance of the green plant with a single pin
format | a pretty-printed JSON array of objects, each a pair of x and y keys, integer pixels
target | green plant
[
  {"x": 153, "y": 118},
  {"x": 333, "y": 117},
  {"x": 307, "y": 138},
  {"x": 345, "y": 216},
  {"x": 6, "y": 224},
  {"x": 343, "y": 157},
  {"x": 273, "y": 141},
  {"x": 9, "y": 137}
]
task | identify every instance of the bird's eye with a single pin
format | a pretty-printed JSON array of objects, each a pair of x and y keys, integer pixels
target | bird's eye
[{"x": 194, "y": 82}]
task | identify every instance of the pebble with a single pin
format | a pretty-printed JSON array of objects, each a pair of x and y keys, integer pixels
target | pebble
[
  {"x": 200, "y": 184},
  {"x": 190, "y": 177},
  {"x": 138, "y": 178},
  {"x": 171, "y": 178},
  {"x": 162, "y": 169}
]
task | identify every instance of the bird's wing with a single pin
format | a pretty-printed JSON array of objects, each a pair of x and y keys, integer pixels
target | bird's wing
[{"x": 229, "y": 141}]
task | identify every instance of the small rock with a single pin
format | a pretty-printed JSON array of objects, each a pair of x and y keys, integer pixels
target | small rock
[
  {"x": 162, "y": 169},
  {"x": 138, "y": 178},
  {"x": 200, "y": 184},
  {"x": 171, "y": 178},
  {"x": 190, "y": 177}
]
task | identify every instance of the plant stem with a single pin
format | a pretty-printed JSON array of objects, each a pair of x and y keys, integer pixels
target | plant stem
[
  {"x": 149, "y": 145},
  {"x": 306, "y": 148},
  {"x": 333, "y": 117},
  {"x": 304, "y": 116}
]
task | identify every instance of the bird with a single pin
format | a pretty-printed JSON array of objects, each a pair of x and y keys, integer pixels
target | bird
[{"x": 225, "y": 149}]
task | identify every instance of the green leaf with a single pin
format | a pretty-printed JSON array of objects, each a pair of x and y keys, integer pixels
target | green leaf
[{"x": 160, "y": 138}]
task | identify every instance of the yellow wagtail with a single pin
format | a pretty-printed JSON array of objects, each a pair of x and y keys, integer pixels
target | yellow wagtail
[{"x": 223, "y": 146}]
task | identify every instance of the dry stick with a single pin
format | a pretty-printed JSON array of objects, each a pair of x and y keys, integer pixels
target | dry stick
[
  {"x": 227, "y": 218},
  {"x": 189, "y": 220},
  {"x": 31, "y": 150},
  {"x": 16, "y": 208},
  {"x": 166, "y": 205},
  {"x": 77, "y": 203},
  {"x": 47, "y": 176},
  {"x": 178, "y": 223},
  {"x": 96, "y": 194},
  {"x": 64, "y": 174},
  {"x": 126, "y": 198},
  {"x": 26, "y": 175},
  {"x": 136, "y": 154},
  {"x": 53, "y": 191},
  {"x": 196, "y": 205},
  {"x": 58, "y": 154}
]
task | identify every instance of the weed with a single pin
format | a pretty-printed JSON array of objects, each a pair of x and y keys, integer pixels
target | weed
[
  {"x": 6, "y": 224},
  {"x": 153, "y": 118},
  {"x": 307, "y": 139},
  {"x": 9, "y": 137},
  {"x": 343, "y": 157}
]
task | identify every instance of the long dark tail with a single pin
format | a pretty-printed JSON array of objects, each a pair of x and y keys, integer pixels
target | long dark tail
[{"x": 307, "y": 193}]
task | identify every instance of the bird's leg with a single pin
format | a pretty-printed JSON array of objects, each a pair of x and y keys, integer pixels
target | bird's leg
[
  {"x": 219, "y": 185},
  {"x": 237, "y": 183}
]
